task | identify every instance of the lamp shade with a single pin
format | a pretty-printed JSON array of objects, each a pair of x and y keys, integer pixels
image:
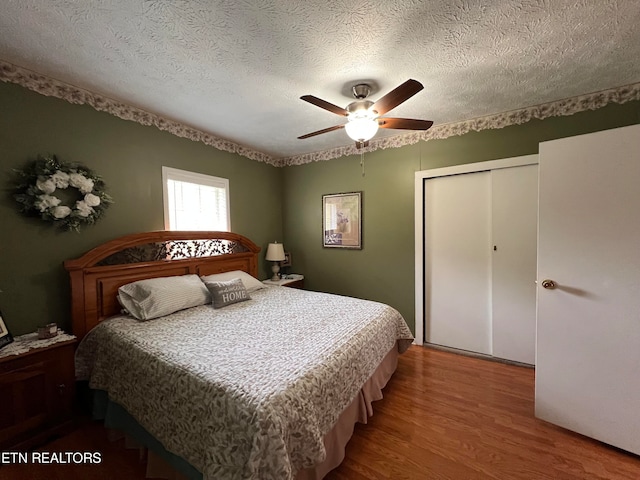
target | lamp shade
[{"x": 275, "y": 252}]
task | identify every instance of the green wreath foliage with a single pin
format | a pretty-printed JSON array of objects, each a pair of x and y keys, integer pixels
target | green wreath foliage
[{"x": 67, "y": 195}]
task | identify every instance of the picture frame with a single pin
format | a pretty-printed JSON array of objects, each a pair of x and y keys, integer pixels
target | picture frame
[
  {"x": 287, "y": 260},
  {"x": 5, "y": 336},
  {"x": 342, "y": 220}
]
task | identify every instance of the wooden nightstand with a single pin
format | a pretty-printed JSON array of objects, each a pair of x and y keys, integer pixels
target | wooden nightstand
[
  {"x": 36, "y": 394},
  {"x": 292, "y": 280}
]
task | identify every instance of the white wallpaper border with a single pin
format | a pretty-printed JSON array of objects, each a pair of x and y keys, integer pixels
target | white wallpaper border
[{"x": 54, "y": 88}]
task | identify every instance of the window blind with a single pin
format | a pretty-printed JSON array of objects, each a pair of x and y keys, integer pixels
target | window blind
[{"x": 195, "y": 201}]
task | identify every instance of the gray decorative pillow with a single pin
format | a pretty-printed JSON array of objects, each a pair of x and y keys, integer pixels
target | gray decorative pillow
[{"x": 227, "y": 293}]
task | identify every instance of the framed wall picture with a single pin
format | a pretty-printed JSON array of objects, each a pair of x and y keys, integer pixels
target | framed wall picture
[
  {"x": 342, "y": 220},
  {"x": 5, "y": 336},
  {"x": 287, "y": 260}
]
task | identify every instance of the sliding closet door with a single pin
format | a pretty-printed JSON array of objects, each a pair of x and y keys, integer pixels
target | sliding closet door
[
  {"x": 457, "y": 232},
  {"x": 480, "y": 236},
  {"x": 515, "y": 221}
]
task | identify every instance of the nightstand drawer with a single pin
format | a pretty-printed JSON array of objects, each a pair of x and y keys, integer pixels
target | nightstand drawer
[
  {"x": 295, "y": 284},
  {"x": 36, "y": 394}
]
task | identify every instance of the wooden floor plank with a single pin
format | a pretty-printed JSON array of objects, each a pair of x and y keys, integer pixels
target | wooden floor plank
[{"x": 443, "y": 417}]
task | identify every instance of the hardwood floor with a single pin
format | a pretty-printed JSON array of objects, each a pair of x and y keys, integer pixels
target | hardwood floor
[
  {"x": 448, "y": 416},
  {"x": 444, "y": 416}
]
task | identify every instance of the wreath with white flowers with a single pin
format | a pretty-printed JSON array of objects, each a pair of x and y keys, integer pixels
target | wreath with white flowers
[{"x": 68, "y": 195}]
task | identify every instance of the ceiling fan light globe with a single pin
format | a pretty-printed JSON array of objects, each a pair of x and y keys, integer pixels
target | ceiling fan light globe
[{"x": 361, "y": 129}]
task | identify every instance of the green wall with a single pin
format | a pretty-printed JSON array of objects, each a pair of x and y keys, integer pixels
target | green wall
[
  {"x": 129, "y": 157},
  {"x": 384, "y": 269},
  {"x": 267, "y": 203}
]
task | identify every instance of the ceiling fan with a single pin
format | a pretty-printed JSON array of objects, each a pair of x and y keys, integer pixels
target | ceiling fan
[{"x": 365, "y": 117}]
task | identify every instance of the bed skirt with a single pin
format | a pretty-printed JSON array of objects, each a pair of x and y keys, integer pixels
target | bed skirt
[{"x": 164, "y": 464}]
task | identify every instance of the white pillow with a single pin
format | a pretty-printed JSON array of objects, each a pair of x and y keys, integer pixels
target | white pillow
[
  {"x": 250, "y": 283},
  {"x": 156, "y": 297}
]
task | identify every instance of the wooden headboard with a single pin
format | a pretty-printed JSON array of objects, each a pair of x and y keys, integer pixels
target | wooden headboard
[{"x": 96, "y": 276}]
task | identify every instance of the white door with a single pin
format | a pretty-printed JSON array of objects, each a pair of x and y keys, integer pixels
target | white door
[
  {"x": 588, "y": 331},
  {"x": 480, "y": 261},
  {"x": 458, "y": 261},
  {"x": 515, "y": 222}
]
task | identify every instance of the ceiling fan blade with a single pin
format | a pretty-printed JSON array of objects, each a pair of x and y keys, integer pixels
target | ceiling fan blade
[
  {"x": 324, "y": 130},
  {"x": 395, "y": 97},
  {"x": 318, "y": 102},
  {"x": 404, "y": 123}
]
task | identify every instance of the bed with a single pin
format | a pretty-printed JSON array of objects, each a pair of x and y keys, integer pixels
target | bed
[{"x": 268, "y": 388}]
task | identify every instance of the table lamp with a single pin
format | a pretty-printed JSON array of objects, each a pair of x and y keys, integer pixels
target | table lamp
[{"x": 275, "y": 254}]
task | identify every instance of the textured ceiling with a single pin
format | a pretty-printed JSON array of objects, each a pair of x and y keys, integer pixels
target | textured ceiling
[{"x": 236, "y": 68}]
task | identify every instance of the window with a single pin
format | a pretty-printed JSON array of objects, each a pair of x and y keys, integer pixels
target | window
[{"x": 193, "y": 201}]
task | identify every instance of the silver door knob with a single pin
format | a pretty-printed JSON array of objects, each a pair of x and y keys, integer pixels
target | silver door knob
[{"x": 550, "y": 284}]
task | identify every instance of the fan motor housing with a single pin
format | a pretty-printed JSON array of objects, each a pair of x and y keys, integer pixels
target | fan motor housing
[{"x": 359, "y": 106}]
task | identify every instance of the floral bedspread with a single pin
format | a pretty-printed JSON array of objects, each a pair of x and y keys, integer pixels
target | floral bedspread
[{"x": 250, "y": 390}]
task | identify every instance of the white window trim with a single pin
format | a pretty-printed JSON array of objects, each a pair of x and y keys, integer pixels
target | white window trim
[{"x": 169, "y": 173}]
